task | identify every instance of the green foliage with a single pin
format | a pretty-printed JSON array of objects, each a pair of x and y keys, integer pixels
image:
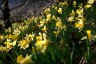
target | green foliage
[{"x": 64, "y": 34}]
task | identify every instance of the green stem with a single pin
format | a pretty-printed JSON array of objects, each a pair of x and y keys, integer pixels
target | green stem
[{"x": 88, "y": 53}]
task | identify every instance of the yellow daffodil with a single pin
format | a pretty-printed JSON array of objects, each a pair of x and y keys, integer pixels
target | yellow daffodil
[
  {"x": 79, "y": 11},
  {"x": 8, "y": 30},
  {"x": 10, "y": 44},
  {"x": 48, "y": 17},
  {"x": 21, "y": 28},
  {"x": 74, "y": 3},
  {"x": 57, "y": 32},
  {"x": 29, "y": 37},
  {"x": 4, "y": 49},
  {"x": 56, "y": 8},
  {"x": 90, "y": 1},
  {"x": 43, "y": 49},
  {"x": 41, "y": 23},
  {"x": 70, "y": 19},
  {"x": 11, "y": 36},
  {"x": 80, "y": 23},
  {"x": 44, "y": 29},
  {"x": 1, "y": 37},
  {"x": 39, "y": 37},
  {"x": 53, "y": 6},
  {"x": 59, "y": 24},
  {"x": 72, "y": 13},
  {"x": 33, "y": 50},
  {"x": 60, "y": 10},
  {"x": 36, "y": 19},
  {"x": 23, "y": 44},
  {"x": 65, "y": 3},
  {"x": 47, "y": 10},
  {"x": 41, "y": 43},
  {"x": 38, "y": 43},
  {"x": 89, "y": 34},
  {"x": 19, "y": 58},
  {"x": 87, "y": 6},
  {"x": 53, "y": 17},
  {"x": 26, "y": 60}
]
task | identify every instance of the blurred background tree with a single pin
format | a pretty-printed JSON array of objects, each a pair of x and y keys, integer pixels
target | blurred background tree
[{"x": 6, "y": 13}]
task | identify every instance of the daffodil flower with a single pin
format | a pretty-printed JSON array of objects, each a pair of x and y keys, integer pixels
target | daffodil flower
[
  {"x": 60, "y": 10},
  {"x": 89, "y": 35},
  {"x": 26, "y": 60}
]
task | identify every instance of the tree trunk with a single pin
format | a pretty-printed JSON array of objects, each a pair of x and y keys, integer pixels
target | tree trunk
[{"x": 6, "y": 13}]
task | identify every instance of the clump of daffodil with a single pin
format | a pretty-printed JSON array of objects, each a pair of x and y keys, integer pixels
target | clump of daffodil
[
  {"x": 41, "y": 43},
  {"x": 27, "y": 60},
  {"x": 80, "y": 18},
  {"x": 9, "y": 44},
  {"x": 77, "y": 17},
  {"x": 60, "y": 10},
  {"x": 89, "y": 35}
]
